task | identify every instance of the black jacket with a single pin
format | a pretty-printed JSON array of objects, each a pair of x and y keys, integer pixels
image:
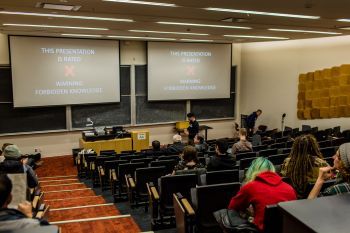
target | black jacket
[
  {"x": 251, "y": 119},
  {"x": 14, "y": 166},
  {"x": 174, "y": 149},
  {"x": 221, "y": 162},
  {"x": 193, "y": 129}
]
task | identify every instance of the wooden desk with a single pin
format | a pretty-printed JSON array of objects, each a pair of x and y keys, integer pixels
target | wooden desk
[
  {"x": 122, "y": 144},
  {"x": 322, "y": 215}
]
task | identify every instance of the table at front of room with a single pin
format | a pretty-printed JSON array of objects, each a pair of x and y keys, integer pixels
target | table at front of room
[
  {"x": 321, "y": 215},
  {"x": 119, "y": 145}
]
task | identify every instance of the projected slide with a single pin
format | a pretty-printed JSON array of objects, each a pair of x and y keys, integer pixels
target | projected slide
[
  {"x": 188, "y": 71},
  {"x": 60, "y": 71}
]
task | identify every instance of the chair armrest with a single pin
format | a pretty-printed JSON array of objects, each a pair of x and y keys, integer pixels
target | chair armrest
[
  {"x": 152, "y": 191},
  {"x": 187, "y": 206},
  {"x": 114, "y": 175},
  {"x": 101, "y": 170},
  {"x": 37, "y": 200},
  {"x": 43, "y": 213}
]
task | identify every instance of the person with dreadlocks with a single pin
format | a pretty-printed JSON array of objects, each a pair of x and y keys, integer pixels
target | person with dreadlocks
[
  {"x": 342, "y": 167},
  {"x": 303, "y": 163}
]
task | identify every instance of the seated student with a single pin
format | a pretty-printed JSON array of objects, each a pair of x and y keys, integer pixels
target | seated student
[
  {"x": 176, "y": 148},
  {"x": 303, "y": 163},
  {"x": 342, "y": 165},
  {"x": 222, "y": 160},
  {"x": 15, "y": 163},
  {"x": 189, "y": 161},
  {"x": 243, "y": 145},
  {"x": 12, "y": 219},
  {"x": 200, "y": 144},
  {"x": 2, "y": 157},
  {"x": 262, "y": 187},
  {"x": 155, "y": 151}
]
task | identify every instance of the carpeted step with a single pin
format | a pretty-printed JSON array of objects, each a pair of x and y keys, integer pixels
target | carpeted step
[
  {"x": 64, "y": 203},
  {"x": 68, "y": 194},
  {"x": 59, "y": 181},
  {"x": 54, "y": 187},
  {"x": 57, "y": 166},
  {"x": 118, "y": 225},
  {"x": 83, "y": 213}
]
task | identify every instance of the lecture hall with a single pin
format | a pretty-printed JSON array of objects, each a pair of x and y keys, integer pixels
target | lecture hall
[{"x": 165, "y": 116}]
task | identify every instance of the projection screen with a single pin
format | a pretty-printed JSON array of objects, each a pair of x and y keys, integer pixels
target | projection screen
[
  {"x": 62, "y": 71},
  {"x": 179, "y": 71}
]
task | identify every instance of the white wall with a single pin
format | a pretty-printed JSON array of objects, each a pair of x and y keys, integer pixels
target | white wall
[
  {"x": 269, "y": 77},
  {"x": 52, "y": 144}
]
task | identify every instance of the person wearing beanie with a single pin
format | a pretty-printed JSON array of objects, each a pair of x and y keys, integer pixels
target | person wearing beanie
[
  {"x": 16, "y": 163},
  {"x": 342, "y": 167}
]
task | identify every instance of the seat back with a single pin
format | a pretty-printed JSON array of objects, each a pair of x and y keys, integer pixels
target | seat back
[
  {"x": 245, "y": 155},
  {"x": 100, "y": 160},
  {"x": 128, "y": 168},
  {"x": 208, "y": 199},
  {"x": 286, "y": 150},
  {"x": 326, "y": 143},
  {"x": 282, "y": 139},
  {"x": 168, "y": 157},
  {"x": 325, "y": 185},
  {"x": 169, "y": 165},
  {"x": 277, "y": 159},
  {"x": 278, "y": 145},
  {"x": 245, "y": 163},
  {"x": 224, "y": 176},
  {"x": 268, "y": 152},
  {"x": 108, "y": 152},
  {"x": 273, "y": 219},
  {"x": 130, "y": 157},
  {"x": 147, "y": 175},
  {"x": 258, "y": 148},
  {"x": 143, "y": 160},
  {"x": 168, "y": 185},
  {"x": 328, "y": 151}
]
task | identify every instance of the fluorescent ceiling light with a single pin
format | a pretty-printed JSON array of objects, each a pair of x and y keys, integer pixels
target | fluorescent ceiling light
[
  {"x": 64, "y": 16},
  {"x": 53, "y": 26},
  {"x": 195, "y": 40},
  {"x": 262, "y": 13},
  {"x": 345, "y": 28},
  {"x": 140, "y": 37},
  {"x": 178, "y": 33},
  {"x": 60, "y": 7},
  {"x": 304, "y": 31},
  {"x": 258, "y": 37},
  {"x": 205, "y": 25},
  {"x": 143, "y": 2},
  {"x": 80, "y": 35},
  {"x": 344, "y": 20}
]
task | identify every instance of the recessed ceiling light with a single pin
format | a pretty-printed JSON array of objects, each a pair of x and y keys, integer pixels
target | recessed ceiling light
[
  {"x": 143, "y": 3},
  {"x": 304, "y": 31},
  {"x": 258, "y": 37},
  {"x": 80, "y": 35},
  {"x": 53, "y": 26},
  {"x": 141, "y": 37},
  {"x": 64, "y": 16},
  {"x": 195, "y": 40},
  {"x": 205, "y": 25},
  {"x": 178, "y": 33},
  {"x": 262, "y": 13}
]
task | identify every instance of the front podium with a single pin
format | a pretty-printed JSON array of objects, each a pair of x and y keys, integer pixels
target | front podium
[{"x": 138, "y": 141}]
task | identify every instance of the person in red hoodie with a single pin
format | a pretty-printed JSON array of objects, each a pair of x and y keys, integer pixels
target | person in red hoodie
[{"x": 262, "y": 187}]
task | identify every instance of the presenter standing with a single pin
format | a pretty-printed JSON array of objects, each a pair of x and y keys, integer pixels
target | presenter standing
[{"x": 193, "y": 129}]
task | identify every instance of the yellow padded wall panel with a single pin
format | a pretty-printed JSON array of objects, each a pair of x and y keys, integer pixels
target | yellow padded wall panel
[
  {"x": 345, "y": 69},
  {"x": 324, "y": 112}
]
